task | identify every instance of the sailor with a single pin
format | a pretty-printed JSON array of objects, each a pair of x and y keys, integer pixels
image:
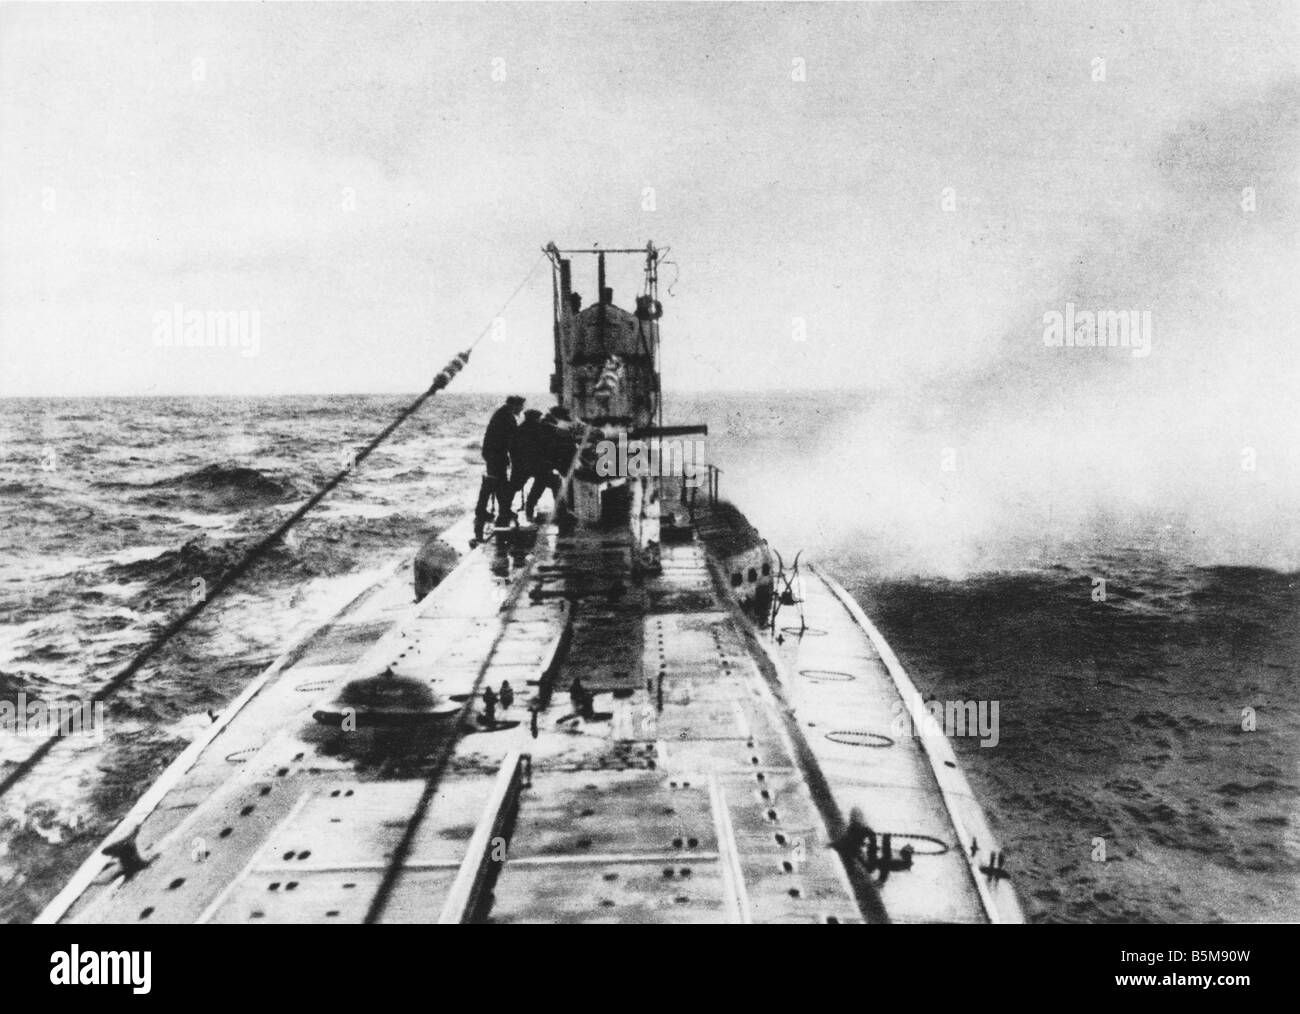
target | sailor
[
  {"x": 496, "y": 459},
  {"x": 530, "y": 459},
  {"x": 507, "y": 696},
  {"x": 560, "y": 441},
  {"x": 561, "y": 444}
]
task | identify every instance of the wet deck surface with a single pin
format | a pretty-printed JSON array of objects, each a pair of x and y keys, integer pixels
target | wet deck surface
[
  {"x": 686, "y": 797},
  {"x": 851, "y": 712}
]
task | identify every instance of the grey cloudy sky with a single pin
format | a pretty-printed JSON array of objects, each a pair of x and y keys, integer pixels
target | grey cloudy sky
[{"x": 210, "y": 154}]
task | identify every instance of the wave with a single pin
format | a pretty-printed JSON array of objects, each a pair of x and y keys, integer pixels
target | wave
[
  {"x": 317, "y": 547},
  {"x": 201, "y": 556},
  {"x": 234, "y": 485}
]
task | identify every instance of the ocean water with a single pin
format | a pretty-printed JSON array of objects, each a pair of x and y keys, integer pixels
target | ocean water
[{"x": 1120, "y": 719}]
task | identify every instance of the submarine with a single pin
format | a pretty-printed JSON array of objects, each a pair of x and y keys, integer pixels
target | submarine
[{"x": 695, "y": 731}]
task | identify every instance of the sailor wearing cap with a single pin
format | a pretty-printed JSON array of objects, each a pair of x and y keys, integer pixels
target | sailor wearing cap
[{"x": 497, "y": 440}]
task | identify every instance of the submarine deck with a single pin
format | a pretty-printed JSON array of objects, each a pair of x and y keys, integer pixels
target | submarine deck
[{"x": 705, "y": 785}]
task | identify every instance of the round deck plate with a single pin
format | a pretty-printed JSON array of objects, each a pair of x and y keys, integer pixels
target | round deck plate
[
  {"x": 857, "y": 737},
  {"x": 827, "y": 675}
]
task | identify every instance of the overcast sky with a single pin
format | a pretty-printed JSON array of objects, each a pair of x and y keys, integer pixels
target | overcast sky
[{"x": 375, "y": 179}]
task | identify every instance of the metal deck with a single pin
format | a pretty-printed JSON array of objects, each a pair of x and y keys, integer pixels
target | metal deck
[{"x": 705, "y": 788}]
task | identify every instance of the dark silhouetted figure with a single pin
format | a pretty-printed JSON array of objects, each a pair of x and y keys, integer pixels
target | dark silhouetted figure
[
  {"x": 507, "y": 696},
  {"x": 489, "y": 707},
  {"x": 497, "y": 441},
  {"x": 560, "y": 440},
  {"x": 530, "y": 458}
]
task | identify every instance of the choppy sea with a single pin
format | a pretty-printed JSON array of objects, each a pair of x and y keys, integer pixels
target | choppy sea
[{"x": 1124, "y": 783}]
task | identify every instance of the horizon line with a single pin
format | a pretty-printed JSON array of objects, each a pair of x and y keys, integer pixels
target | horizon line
[{"x": 415, "y": 393}]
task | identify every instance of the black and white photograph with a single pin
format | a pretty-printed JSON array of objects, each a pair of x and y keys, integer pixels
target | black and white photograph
[{"x": 650, "y": 463}]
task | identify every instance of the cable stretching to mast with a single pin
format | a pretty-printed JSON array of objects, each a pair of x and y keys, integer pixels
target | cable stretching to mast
[{"x": 246, "y": 562}]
